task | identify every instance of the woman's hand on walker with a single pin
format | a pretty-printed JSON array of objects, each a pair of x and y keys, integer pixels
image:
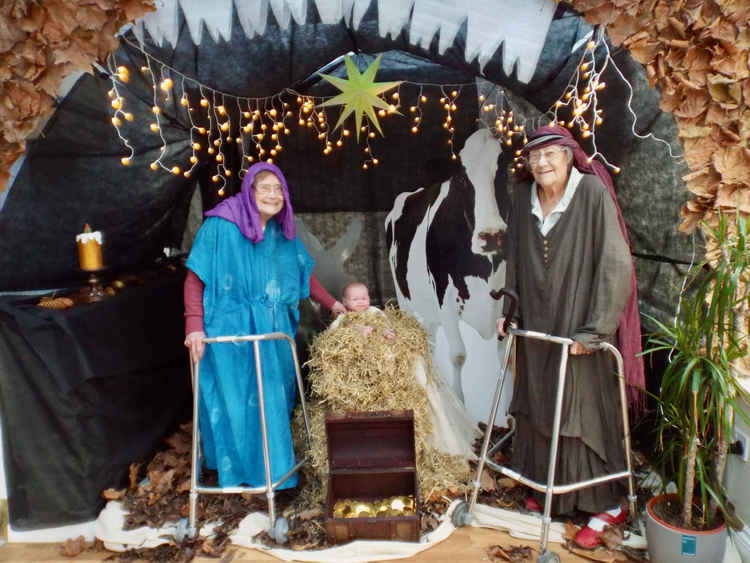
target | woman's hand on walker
[
  {"x": 338, "y": 309},
  {"x": 194, "y": 343},
  {"x": 500, "y": 324},
  {"x": 578, "y": 349}
]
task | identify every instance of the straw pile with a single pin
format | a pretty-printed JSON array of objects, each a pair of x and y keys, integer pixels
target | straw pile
[{"x": 353, "y": 371}]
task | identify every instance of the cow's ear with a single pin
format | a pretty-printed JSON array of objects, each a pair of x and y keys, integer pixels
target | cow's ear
[{"x": 438, "y": 170}]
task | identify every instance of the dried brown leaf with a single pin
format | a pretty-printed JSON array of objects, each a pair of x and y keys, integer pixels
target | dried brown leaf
[
  {"x": 744, "y": 127},
  {"x": 93, "y": 18},
  {"x": 310, "y": 514},
  {"x": 507, "y": 483},
  {"x": 134, "y": 9},
  {"x": 113, "y": 494},
  {"x": 689, "y": 220},
  {"x": 611, "y": 537},
  {"x": 50, "y": 80},
  {"x": 570, "y": 530},
  {"x": 487, "y": 481},
  {"x": 697, "y": 58},
  {"x": 10, "y": 33},
  {"x": 644, "y": 50},
  {"x": 623, "y": 27},
  {"x": 725, "y": 196},
  {"x": 733, "y": 163},
  {"x": 679, "y": 43},
  {"x": 133, "y": 475},
  {"x": 698, "y": 152},
  {"x": 73, "y": 547},
  {"x": 669, "y": 101},
  {"x": 742, "y": 199},
  {"x": 180, "y": 442},
  {"x": 693, "y": 104},
  {"x": 691, "y": 129},
  {"x": 604, "y": 13},
  {"x": 678, "y": 26},
  {"x": 600, "y": 554},
  {"x": 79, "y": 50},
  {"x": 33, "y": 20}
]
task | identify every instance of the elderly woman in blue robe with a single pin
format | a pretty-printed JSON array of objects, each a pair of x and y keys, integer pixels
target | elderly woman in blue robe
[{"x": 247, "y": 272}]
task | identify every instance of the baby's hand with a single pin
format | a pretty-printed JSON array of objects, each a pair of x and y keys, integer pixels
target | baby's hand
[
  {"x": 366, "y": 330},
  {"x": 388, "y": 333}
]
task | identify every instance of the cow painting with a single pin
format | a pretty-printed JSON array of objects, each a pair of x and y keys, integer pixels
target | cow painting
[{"x": 446, "y": 248}]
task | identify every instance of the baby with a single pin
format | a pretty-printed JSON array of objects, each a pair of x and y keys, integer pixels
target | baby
[{"x": 356, "y": 298}]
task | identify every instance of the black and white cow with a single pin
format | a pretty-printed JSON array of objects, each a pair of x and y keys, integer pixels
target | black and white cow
[{"x": 446, "y": 248}]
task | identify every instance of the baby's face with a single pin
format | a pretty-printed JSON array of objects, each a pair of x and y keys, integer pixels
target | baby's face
[{"x": 357, "y": 299}]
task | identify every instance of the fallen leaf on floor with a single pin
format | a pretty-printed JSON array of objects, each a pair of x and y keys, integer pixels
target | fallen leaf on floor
[
  {"x": 113, "y": 494},
  {"x": 487, "y": 481},
  {"x": 570, "y": 531},
  {"x": 73, "y": 547},
  {"x": 611, "y": 537},
  {"x": 507, "y": 483},
  {"x": 633, "y": 555},
  {"x": 598, "y": 554},
  {"x": 310, "y": 514},
  {"x": 514, "y": 554}
]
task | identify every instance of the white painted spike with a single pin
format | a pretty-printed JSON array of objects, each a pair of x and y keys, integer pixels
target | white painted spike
[
  {"x": 359, "y": 9},
  {"x": 299, "y": 10},
  {"x": 346, "y": 9},
  {"x": 330, "y": 11},
  {"x": 393, "y": 16},
  {"x": 217, "y": 17},
  {"x": 429, "y": 16},
  {"x": 523, "y": 33},
  {"x": 281, "y": 12},
  {"x": 253, "y": 15},
  {"x": 529, "y": 36},
  {"x": 161, "y": 24},
  {"x": 138, "y": 30}
]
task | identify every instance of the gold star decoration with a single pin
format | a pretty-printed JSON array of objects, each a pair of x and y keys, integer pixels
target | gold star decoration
[{"x": 359, "y": 94}]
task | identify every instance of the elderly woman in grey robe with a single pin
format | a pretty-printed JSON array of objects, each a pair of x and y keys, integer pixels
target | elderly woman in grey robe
[{"x": 569, "y": 262}]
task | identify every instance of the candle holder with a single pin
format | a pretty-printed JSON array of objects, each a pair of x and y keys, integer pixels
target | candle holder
[{"x": 93, "y": 291}]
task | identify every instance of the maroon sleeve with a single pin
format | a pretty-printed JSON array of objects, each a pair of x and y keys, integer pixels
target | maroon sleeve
[
  {"x": 193, "y": 296},
  {"x": 319, "y": 294}
]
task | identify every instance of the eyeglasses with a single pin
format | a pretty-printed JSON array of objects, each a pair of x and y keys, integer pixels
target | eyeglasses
[
  {"x": 269, "y": 189},
  {"x": 549, "y": 154}
]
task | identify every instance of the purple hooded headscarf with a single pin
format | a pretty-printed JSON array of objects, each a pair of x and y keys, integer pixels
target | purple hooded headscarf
[
  {"x": 629, "y": 330},
  {"x": 241, "y": 210}
]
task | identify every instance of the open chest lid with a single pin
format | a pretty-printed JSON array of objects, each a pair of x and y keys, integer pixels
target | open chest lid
[{"x": 371, "y": 440}]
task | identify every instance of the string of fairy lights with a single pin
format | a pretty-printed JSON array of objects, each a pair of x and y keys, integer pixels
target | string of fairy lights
[{"x": 256, "y": 127}]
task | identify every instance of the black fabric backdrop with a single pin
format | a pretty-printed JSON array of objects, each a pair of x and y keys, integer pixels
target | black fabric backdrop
[{"x": 86, "y": 391}]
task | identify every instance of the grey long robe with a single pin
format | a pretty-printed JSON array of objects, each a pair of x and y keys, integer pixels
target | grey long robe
[{"x": 574, "y": 282}]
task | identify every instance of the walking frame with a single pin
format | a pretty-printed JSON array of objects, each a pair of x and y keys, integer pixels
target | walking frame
[
  {"x": 279, "y": 526},
  {"x": 462, "y": 514}
]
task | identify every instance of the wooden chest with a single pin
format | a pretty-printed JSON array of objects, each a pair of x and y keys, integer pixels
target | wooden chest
[{"x": 370, "y": 458}]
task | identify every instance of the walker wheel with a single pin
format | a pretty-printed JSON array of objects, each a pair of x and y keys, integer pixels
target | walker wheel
[
  {"x": 548, "y": 557},
  {"x": 183, "y": 530},
  {"x": 280, "y": 530},
  {"x": 461, "y": 515}
]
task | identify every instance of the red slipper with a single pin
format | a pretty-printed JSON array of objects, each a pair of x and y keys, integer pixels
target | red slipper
[
  {"x": 532, "y": 505},
  {"x": 588, "y": 538}
]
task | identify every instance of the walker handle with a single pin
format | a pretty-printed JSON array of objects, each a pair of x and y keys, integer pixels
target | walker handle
[{"x": 512, "y": 297}]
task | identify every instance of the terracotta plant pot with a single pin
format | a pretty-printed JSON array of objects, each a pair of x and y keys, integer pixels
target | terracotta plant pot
[{"x": 668, "y": 543}]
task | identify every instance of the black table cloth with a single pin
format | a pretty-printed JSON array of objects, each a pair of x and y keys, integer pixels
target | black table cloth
[{"x": 86, "y": 391}]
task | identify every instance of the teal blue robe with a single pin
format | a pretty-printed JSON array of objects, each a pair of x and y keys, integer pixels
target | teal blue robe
[{"x": 249, "y": 289}]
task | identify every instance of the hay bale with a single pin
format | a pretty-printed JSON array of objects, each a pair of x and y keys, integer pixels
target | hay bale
[{"x": 351, "y": 371}]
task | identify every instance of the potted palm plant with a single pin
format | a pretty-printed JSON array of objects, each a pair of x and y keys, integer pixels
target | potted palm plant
[{"x": 699, "y": 399}]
